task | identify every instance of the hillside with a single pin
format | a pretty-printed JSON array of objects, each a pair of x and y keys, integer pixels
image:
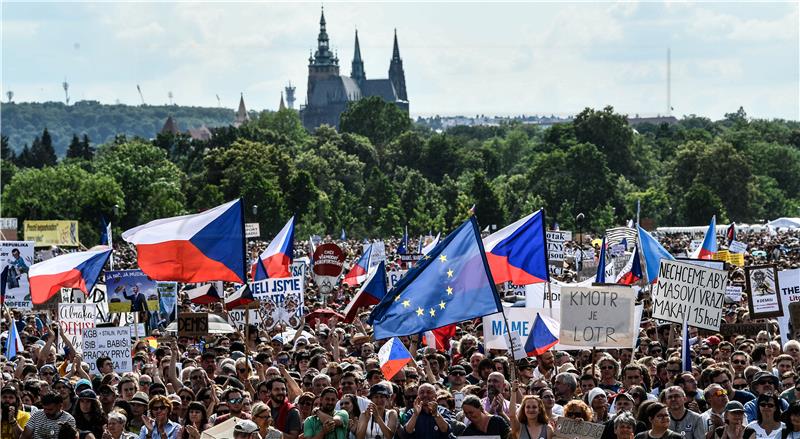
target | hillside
[{"x": 21, "y": 122}]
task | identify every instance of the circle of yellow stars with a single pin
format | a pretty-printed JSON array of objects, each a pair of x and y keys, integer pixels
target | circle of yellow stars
[{"x": 441, "y": 305}]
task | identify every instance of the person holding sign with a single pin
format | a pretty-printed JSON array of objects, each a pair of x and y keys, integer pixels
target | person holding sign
[
  {"x": 482, "y": 423},
  {"x": 530, "y": 420}
]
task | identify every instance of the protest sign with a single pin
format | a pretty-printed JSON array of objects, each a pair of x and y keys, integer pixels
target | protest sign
[
  {"x": 736, "y": 259},
  {"x": 114, "y": 343},
  {"x": 192, "y": 324},
  {"x": 794, "y": 316},
  {"x": 280, "y": 301},
  {"x": 73, "y": 319},
  {"x": 737, "y": 247},
  {"x": 252, "y": 230},
  {"x": 789, "y": 280},
  {"x": 378, "y": 253},
  {"x": 695, "y": 244},
  {"x": 764, "y": 298},
  {"x": 569, "y": 428},
  {"x": 598, "y": 315},
  {"x": 555, "y": 244},
  {"x": 167, "y": 301},
  {"x": 689, "y": 292},
  {"x": 8, "y": 229},
  {"x": 47, "y": 233},
  {"x": 516, "y": 346},
  {"x": 131, "y": 291},
  {"x": 394, "y": 277},
  {"x": 18, "y": 257},
  {"x": 328, "y": 263},
  {"x": 521, "y": 320},
  {"x": 733, "y": 293}
]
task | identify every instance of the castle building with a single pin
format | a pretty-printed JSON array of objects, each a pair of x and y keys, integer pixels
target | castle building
[{"x": 329, "y": 92}]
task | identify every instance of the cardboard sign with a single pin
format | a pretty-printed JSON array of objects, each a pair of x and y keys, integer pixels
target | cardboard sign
[
  {"x": 252, "y": 230},
  {"x": 114, "y": 343},
  {"x": 568, "y": 428},
  {"x": 688, "y": 292},
  {"x": 18, "y": 257},
  {"x": 192, "y": 324},
  {"x": 52, "y": 232},
  {"x": 517, "y": 348},
  {"x": 598, "y": 316},
  {"x": 555, "y": 244},
  {"x": 737, "y": 247},
  {"x": 73, "y": 319},
  {"x": 764, "y": 296}
]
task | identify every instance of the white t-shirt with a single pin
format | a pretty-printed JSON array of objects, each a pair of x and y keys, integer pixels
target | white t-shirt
[{"x": 762, "y": 434}]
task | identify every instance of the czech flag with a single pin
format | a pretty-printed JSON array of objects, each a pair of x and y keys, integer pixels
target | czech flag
[
  {"x": 203, "y": 295},
  {"x": 632, "y": 271},
  {"x": 202, "y": 247},
  {"x": 653, "y": 253},
  {"x": 241, "y": 297},
  {"x": 600, "y": 277},
  {"x": 543, "y": 335},
  {"x": 518, "y": 252},
  {"x": 439, "y": 338},
  {"x": 358, "y": 273},
  {"x": 276, "y": 259},
  {"x": 393, "y": 357},
  {"x": 72, "y": 270},
  {"x": 709, "y": 247},
  {"x": 371, "y": 293},
  {"x": 13, "y": 342}
]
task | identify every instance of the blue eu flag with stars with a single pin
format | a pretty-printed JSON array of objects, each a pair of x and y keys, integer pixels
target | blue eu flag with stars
[{"x": 451, "y": 284}]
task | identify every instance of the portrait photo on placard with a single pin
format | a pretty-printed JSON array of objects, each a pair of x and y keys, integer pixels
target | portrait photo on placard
[{"x": 763, "y": 291}]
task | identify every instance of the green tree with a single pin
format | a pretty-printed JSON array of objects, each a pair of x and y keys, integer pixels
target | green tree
[
  {"x": 611, "y": 134},
  {"x": 375, "y": 119},
  {"x": 284, "y": 122},
  {"x": 487, "y": 203},
  {"x": 42, "y": 152},
  {"x": 700, "y": 203}
]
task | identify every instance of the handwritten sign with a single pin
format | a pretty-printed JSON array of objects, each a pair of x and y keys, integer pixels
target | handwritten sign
[
  {"x": 571, "y": 429},
  {"x": 592, "y": 316},
  {"x": 73, "y": 319},
  {"x": 737, "y": 247},
  {"x": 688, "y": 292},
  {"x": 252, "y": 230},
  {"x": 192, "y": 324}
]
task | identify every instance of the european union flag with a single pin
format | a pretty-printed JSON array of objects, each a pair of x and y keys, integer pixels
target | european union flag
[{"x": 451, "y": 284}]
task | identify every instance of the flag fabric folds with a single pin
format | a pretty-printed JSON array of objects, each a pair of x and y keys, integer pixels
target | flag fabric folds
[
  {"x": 393, "y": 357},
  {"x": 451, "y": 284},
  {"x": 403, "y": 247},
  {"x": 371, "y": 293},
  {"x": 13, "y": 342},
  {"x": 276, "y": 260},
  {"x": 730, "y": 233},
  {"x": 709, "y": 247},
  {"x": 203, "y": 295},
  {"x": 518, "y": 252},
  {"x": 542, "y": 336},
  {"x": 431, "y": 245},
  {"x": 600, "y": 277},
  {"x": 439, "y": 338},
  {"x": 358, "y": 272},
  {"x": 686, "y": 353},
  {"x": 106, "y": 238},
  {"x": 632, "y": 271},
  {"x": 343, "y": 236},
  {"x": 72, "y": 270},
  {"x": 653, "y": 253},
  {"x": 202, "y": 247},
  {"x": 241, "y": 297}
]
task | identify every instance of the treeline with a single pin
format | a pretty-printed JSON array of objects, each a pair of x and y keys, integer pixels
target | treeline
[
  {"x": 381, "y": 173},
  {"x": 100, "y": 123}
]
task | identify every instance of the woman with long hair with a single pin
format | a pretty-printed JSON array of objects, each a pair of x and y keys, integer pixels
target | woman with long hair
[
  {"x": 377, "y": 421},
  {"x": 530, "y": 420},
  {"x": 195, "y": 420},
  {"x": 768, "y": 424},
  {"x": 658, "y": 416},
  {"x": 349, "y": 403},
  {"x": 482, "y": 423},
  {"x": 88, "y": 414},
  {"x": 791, "y": 419}
]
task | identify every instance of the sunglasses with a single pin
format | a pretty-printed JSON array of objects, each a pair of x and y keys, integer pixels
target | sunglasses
[
  {"x": 574, "y": 414},
  {"x": 157, "y": 408},
  {"x": 458, "y": 374},
  {"x": 740, "y": 386},
  {"x": 235, "y": 400},
  {"x": 722, "y": 392},
  {"x": 739, "y": 362},
  {"x": 606, "y": 367},
  {"x": 768, "y": 405}
]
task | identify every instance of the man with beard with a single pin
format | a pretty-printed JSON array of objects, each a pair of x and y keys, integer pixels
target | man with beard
[
  {"x": 46, "y": 423},
  {"x": 286, "y": 416},
  {"x": 427, "y": 419},
  {"x": 14, "y": 418},
  {"x": 326, "y": 419},
  {"x": 546, "y": 366}
]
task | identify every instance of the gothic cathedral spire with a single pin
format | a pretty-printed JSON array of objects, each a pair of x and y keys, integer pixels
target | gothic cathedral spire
[
  {"x": 357, "y": 71},
  {"x": 396, "y": 73}
]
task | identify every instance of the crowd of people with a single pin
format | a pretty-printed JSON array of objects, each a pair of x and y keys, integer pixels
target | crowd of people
[{"x": 324, "y": 380}]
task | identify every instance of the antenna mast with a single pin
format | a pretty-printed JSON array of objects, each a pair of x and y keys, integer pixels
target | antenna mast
[
  {"x": 65, "y": 84},
  {"x": 140, "y": 93}
]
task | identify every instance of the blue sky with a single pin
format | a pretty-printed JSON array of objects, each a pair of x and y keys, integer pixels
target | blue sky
[{"x": 459, "y": 58}]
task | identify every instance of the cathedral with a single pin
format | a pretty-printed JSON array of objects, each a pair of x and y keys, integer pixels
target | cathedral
[{"x": 329, "y": 92}]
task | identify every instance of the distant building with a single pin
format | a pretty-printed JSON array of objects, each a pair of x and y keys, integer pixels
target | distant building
[
  {"x": 200, "y": 133},
  {"x": 241, "y": 113},
  {"x": 329, "y": 92}
]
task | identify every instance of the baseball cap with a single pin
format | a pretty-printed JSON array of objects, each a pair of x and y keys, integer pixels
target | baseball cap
[
  {"x": 246, "y": 427},
  {"x": 82, "y": 382},
  {"x": 87, "y": 394},
  {"x": 140, "y": 398},
  {"x": 734, "y": 406}
]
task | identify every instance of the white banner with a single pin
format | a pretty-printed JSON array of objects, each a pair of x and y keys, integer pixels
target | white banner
[
  {"x": 114, "y": 343},
  {"x": 18, "y": 257},
  {"x": 521, "y": 320},
  {"x": 598, "y": 316},
  {"x": 789, "y": 281},
  {"x": 73, "y": 319},
  {"x": 280, "y": 301},
  {"x": 252, "y": 230},
  {"x": 689, "y": 292}
]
